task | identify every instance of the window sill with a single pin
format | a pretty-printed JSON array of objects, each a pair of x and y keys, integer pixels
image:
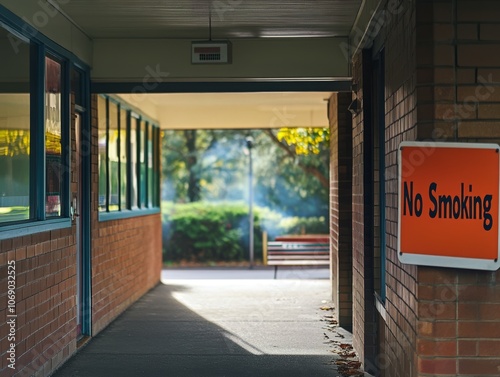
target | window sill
[
  {"x": 118, "y": 215},
  {"x": 25, "y": 229}
]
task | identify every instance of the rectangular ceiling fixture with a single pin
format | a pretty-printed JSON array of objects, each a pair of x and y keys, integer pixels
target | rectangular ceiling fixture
[{"x": 211, "y": 52}]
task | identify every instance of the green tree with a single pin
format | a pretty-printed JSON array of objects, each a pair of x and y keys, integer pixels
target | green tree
[
  {"x": 201, "y": 164},
  {"x": 212, "y": 165},
  {"x": 307, "y": 147}
]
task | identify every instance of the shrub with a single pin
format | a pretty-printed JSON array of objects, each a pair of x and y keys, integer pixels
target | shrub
[{"x": 204, "y": 232}]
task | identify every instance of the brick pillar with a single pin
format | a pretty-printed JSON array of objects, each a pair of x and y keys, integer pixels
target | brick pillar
[
  {"x": 341, "y": 206},
  {"x": 458, "y": 83}
]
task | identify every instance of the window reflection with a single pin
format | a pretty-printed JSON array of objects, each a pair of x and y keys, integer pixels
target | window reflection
[
  {"x": 150, "y": 167},
  {"x": 123, "y": 158},
  {"x": 114, "y": 158},
  {"x": 15, "y": 143},
  {"x": 142, "y": 165},
  {"x": 128, "y": 158},
  {"x": 53, "y": 145},
  {"x": 102, "y": 137},
  {"x": 133, "y": 162}
]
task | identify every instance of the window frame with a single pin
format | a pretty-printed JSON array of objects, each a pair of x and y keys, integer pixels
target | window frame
[
  {"x": 133, "y": 202},
  {"x": 40, "y": 48}
]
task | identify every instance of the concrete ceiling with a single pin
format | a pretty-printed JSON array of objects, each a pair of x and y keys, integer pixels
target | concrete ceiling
[
  {"x": 189, "y": 19},
  {"x": 230, "y": 19},
  {"x": 234, "y": 110}
]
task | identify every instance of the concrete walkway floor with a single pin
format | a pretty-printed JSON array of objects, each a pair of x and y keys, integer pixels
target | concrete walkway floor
[{"x": 215, "y": 326}]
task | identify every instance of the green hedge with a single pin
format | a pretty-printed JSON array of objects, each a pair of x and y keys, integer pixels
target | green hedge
[{"x": 219, "y": 231}]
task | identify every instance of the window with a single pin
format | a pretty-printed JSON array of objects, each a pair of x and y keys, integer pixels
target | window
[
  {"x": 102, "y": 137},
  {"x": 149, "y": 149},
  {"x": 53, "y": 133},
  {"x": 128, "y": 158},
  {"x": 142, "y": 165},
  {"x": 113, "y": 157},
  {"x": 15, "y": 135},
  {"x": 34, "y": 134},
  {"x": 156, "y": 167},
  {"x": 133, "y": 162},
  {"x": 35, "y": 130},
  {"x": 124, "y": 151}
]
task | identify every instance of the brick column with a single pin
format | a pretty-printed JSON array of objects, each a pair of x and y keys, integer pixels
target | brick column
[
  {"x": 458, "y": 83},
  {"x": 341, "y": 206}
]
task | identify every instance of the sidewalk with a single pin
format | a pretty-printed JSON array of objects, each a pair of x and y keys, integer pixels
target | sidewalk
[{"x": 215, "y": 327}]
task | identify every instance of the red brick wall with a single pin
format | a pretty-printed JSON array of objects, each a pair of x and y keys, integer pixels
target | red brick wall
[
  {"x": 341, "y": 206},
  {"x": 358, "y": 221},
  {"x": 126, "y": 254},
  {"x": 459, "y": 100},
  {"x": 45, "y": 297},
  {"x": 126, "y": 263},
  {"x": 390, "y": 343}
]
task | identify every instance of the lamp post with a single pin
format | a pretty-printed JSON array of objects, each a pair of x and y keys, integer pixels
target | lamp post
[{"x": 249, "y": 141}]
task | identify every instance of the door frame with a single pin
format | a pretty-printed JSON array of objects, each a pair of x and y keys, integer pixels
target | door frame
[{"x": 84, "y": 111}]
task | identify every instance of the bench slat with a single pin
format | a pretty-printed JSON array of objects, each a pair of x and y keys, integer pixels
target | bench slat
[
  {"x": 298, "y": 252},
  {"x": 300, "y": 263},
  {"x": 295, "y": 252}
]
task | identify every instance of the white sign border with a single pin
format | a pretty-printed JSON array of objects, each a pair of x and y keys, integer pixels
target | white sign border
[{"x": 443, "y": 261}]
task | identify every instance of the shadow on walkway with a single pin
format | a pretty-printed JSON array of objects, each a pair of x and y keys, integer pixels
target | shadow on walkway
[{"x": 160, "y": 336}]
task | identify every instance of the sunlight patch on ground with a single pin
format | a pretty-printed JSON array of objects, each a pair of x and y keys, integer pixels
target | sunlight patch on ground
[{"x": 273, "y": 317}]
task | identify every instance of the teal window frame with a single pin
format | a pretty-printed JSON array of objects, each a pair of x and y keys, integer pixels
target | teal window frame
[
  {"x": 40, "y": 48},
  {"x": 131, "y": 210}
]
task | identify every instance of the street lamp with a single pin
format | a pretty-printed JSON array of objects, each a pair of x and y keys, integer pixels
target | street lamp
[{"x": 249, "y": 141}]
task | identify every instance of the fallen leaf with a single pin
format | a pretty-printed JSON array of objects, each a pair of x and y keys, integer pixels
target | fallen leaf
[{"x": 326, "y": 307}]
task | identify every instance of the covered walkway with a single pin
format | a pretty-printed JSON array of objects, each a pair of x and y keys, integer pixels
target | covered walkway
[{"x": 218, "y": 323}]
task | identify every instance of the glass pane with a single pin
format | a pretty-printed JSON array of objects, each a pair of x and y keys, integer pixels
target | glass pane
[
  {"x": 156, "y": 167},
  {"x": 123, "y": 158},
  {"x": 150, "y": 167},
  {"x": 142, "y": 162},
  {"x": 133, "y": 162},
  {"x": 53, "y": 145},
  {"x": 114, "y": 158},
  {"x": 14, "y": 129},
  {"x": 102, "y": 142}
]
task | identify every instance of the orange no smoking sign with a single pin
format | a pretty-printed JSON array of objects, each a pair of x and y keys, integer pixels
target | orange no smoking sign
[{"x": 449, "y": 204}]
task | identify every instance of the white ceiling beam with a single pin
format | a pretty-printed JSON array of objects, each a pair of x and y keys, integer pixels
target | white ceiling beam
[{"x": 164, "y": 60}]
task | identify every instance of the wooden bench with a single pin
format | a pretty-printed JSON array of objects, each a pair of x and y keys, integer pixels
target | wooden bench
[{"x": 303, "y": 250}]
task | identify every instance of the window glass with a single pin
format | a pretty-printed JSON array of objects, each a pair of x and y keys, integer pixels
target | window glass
[
  {"x": 142, "y": 165},
  {"x": 102, "y": 142},
  {"x": 14, "y": 129},
  {"x": 133, "y": 162},
  {"x": 53, "y": 142},
  {"x": 114, "y": 158},
  {"x": 150, "y": 166},
  {"x": 128, "y": 158},
  {"x": 156, "y": 151},
  {"x": 123, "y": 158}
]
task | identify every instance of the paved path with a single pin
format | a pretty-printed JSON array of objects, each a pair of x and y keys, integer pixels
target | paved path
[{"x": 215, "y": 327}]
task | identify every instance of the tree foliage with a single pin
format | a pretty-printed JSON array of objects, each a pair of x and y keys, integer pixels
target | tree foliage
[
  {"x": 305, "y": 141},
  {"x": 308, "y": 148},
  {"x": 200, "y": 164},
  {"x": 290, "y": 175}
]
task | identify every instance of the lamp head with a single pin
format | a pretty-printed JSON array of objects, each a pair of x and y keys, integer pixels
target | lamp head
[{"x": 249, "y": 142}]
